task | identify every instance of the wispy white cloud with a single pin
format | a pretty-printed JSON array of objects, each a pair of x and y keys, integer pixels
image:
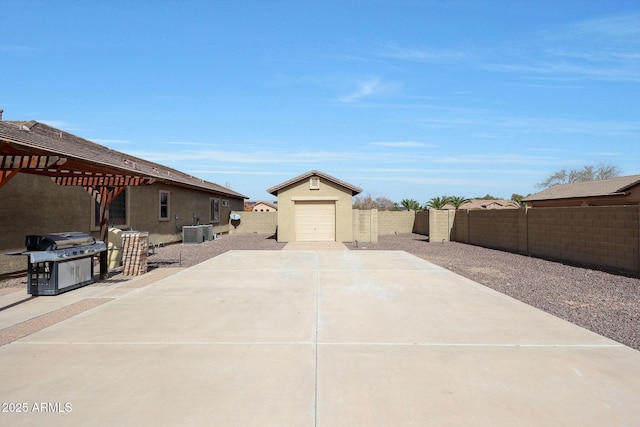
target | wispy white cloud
[
  {"x": 605, "y": 49},
  {"x": 483, "y": 122},
  {"x": 564, "y": 69},
  {"x": 623, "y": 28},
  {"x": 391, "y": 50},
  {"x": 245, "y": 157},
  {"x": 241, "y": 172},
  {"x": 499, "y": 158},
  {"x": 402, "y": 144},
  {"x": 13, "y": 48},
  {"x": 59, "y": 124},
  {"x": 369, "y": 87}
]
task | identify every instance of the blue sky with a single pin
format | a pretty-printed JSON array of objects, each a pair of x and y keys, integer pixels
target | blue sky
[{"x": 406, "y": 99}]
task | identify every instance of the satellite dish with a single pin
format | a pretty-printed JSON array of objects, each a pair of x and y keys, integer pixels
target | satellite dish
[{"x": 234, "y": 216}]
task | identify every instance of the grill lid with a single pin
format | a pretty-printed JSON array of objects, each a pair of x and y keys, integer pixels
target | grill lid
[{"x": 55, "y": 241}]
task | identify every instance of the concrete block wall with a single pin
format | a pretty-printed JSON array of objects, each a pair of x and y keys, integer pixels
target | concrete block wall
[
  {"x": 497, "y": 229},
  {"x": 461, "y": 227},
  {"x": 365, "y": 225},
  {"x": 255, "y": 222},
  {"x": 421, "y": 223},
  {"x": 602, "y": 236},
  {"x": 395, "y": 222},
  {"x": 441, "y": 225},
  {"x": 523, "y": 231}
]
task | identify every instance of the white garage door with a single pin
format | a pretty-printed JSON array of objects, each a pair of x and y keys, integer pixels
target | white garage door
[{"x": 315, "y": 221}]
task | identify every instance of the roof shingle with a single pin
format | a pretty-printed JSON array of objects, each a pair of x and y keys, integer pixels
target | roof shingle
[
  {"x": 39, "y": 136},
  {"x": 602, "y": 187},
  {"x": 354, "y": 190}
]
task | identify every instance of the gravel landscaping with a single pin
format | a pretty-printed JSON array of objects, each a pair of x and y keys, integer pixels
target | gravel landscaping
[{"x": 605, "y": 303}]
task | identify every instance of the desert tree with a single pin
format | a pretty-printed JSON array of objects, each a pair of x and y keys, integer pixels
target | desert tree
[
  {"x": 367, "y": 202},
  {"x": 586, "y": 173}
]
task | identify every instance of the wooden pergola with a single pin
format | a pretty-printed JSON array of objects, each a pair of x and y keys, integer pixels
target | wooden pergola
[{"x": 69, "y": 161}]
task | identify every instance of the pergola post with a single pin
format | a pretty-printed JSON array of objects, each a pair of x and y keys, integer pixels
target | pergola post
[
  {"x": 23, "y": 150},
  {"x": 104, "y": 196}
]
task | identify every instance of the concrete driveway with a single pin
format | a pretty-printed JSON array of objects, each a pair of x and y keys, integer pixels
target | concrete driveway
[{"x": 309, "y": 338}]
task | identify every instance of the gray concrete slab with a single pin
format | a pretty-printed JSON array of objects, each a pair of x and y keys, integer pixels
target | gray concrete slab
[{"x": 313, "y": 338}]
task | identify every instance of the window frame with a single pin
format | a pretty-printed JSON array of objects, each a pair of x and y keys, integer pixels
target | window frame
[
  {"x": 214, "y": 204},
  {"x": 161, "y": 205},
  {"x": 95, "y": 212}
]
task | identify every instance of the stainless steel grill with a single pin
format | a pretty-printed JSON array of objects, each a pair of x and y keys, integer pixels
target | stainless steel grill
[{"x": 60, "y": 262}]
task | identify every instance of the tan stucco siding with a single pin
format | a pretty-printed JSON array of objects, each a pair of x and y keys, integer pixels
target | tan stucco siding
[
  {"x": 327, "y": 192},
  {"x": 31, "y": 204}
]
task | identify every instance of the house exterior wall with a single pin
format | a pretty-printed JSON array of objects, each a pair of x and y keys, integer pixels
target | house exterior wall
[
  {"x": 263, "y": 207},
  {"x": 32, "y": 204},
  {"x": 301, "y": 191},
  {"x": 190, "y": 205}
]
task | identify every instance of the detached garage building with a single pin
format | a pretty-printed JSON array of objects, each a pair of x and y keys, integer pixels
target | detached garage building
[{"x": 314, "y": 207}]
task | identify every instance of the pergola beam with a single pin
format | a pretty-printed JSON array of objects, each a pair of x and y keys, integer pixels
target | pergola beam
[
  {"x": 20, "y": 153},
  {"x": 30, "y": 162}
]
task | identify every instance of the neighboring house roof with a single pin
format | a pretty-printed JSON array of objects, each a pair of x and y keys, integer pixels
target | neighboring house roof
[
  {"x": 272, "y": 205},
  {"x": 486, "y": 204},
  {"x": 32, "y": 135},
  {"x": 598, "y": 188},
  {"x": 354, "y": 190}
]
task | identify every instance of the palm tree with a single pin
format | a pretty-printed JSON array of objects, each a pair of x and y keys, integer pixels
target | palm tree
[
  {"x": 517, "y": 198},
  {"x": 410, "y": 204},
  {"x": 458, "y": 201},
  {"x": 437, "y": 202}
]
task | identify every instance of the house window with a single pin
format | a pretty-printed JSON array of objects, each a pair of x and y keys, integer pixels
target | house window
[
  {"x": 314, "y": 183},
  {"x": 225, "y": 203},
  {"x": 164, "y": 205},
  {"x": 118, "y": 212},
  {"x": 214, "y": 210}
]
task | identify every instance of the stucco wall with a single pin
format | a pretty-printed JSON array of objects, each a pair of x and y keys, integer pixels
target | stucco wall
[
  {"x": 31, "y": 204},
  {"x": 187, "y": 204},
  {"x": 256, "y": 222},
  {"x": 328, "y": 191}
]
